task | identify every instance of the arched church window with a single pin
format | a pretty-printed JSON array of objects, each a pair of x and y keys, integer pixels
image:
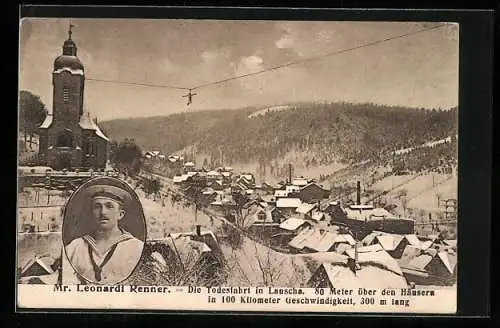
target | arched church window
[
  {"x": 88, "y": 146},
  {"x": 65, "y": 138}
]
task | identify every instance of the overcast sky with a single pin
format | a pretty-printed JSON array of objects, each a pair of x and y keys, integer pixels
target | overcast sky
[{"x": 418, "y": 71}]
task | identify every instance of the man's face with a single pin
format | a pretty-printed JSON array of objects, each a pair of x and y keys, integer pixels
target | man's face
[{"x": 107, "y": 213}]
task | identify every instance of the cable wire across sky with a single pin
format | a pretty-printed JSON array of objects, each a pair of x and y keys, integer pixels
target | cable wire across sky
[{"x": 337, "y": 52}]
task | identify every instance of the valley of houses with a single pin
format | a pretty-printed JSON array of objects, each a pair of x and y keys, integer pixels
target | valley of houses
[{"x": 296, "y": 218}]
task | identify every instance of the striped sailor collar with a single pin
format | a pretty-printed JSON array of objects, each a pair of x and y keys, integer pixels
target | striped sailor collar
[{"x": 90, "y": 240}]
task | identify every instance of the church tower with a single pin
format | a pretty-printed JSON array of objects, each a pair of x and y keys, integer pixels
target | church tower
[
  {"x": 69, "y": 138},
  {"x": 68, "y": 81}
]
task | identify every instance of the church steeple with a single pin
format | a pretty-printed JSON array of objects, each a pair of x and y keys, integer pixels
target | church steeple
[{"x": 69, "y": 47}]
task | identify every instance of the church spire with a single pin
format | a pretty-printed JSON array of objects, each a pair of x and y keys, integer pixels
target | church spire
[
  {"x": 69, "y": 31},
  {"x": 69, "y": 47}
]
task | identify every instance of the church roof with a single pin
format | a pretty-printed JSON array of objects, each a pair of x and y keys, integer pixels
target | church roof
[
  {"x": 68, "y": 61},
  {"x": 47, "y": 123},
  {"x": 71, "y": 70},
  {"x": 99, "y": 133},
  {"x": 68, "y": 58},
  {"x": 87, "y": 123}
]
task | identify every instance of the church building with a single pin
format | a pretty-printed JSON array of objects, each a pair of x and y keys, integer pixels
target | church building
[{"x": 69, "y": 138}]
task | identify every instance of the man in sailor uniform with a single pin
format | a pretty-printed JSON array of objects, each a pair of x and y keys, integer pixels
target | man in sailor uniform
[{"x": 108, "y": 254}]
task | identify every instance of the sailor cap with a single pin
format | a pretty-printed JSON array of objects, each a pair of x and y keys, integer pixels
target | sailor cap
[{"x": 112, "y": 192}]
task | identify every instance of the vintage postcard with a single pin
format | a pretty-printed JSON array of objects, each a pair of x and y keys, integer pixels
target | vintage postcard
[{"x": 225, "y": 165}]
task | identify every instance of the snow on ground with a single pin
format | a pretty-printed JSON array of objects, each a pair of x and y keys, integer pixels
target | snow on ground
[
  {"x": 171, "y": 218},
  {"x": 40, "y": 216},
  {"x": 256, "y": 265},
  {"x": 45, "y": 197},
  {"x": 41, "y": 244},
  {"x": 428, "y": 199},
  {"x": 269, "y": 110},
  {"x": 415, "y": 185}
]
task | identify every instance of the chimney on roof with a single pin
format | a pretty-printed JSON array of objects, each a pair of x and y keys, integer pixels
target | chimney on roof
[
  {"x": 353, "y": 263},
  {"x": 289, "y": 173},
  {"x": 358, "y": 192},
  {"x": 198, "y": 230}
]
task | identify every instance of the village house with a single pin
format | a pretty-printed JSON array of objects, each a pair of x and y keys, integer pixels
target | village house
[
  {"x": 213, "y": 175},
  {"x": 226, "y": 177},
  {"x": 432, "y": 267},
  {"x": 280, "y": 194},
  {"x": 365, "y": 218},
  {"x": 288, "y": 206},
  {"x": 39, "y": 266},
  {"x": 294, "y": 225},
  {"x": 292, "y": 191},
  {"x": 246, "y": 181},
  {"x": 391, "y": 243},
  {"x": 184, "y": 258},
  {"x": 269, "y": 199},
  {"x": 180, "y": 179},
  {"x": 312, "y": 192},
  {"x": 305, "y": 210},
  {"x": 348, "y": 275},
  {"x": 216, "y": 184},
  {"x": 319, "y": 240},
  {"x": 300, "y": 182},
  {"x": 267, "y": 188},
  {"x": 188, "y": 167},
  {"x": 263, "y": 222}
]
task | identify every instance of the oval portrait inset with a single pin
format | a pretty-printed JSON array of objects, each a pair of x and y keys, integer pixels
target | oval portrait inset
[{"x": 103, "y": 232}]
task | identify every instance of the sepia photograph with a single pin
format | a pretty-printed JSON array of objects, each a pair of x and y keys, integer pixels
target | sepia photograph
[
  {"x": 100, "y": 231},
  {"x": 238, "y": 165}
]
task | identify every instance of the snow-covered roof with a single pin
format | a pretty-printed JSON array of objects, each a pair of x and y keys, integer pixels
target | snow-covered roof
[
  {"x": 375, "y": 254},
  {"x": 67, "y": 69},
  {"x": 299, "y": 241},
  {"x": 422, "y": 261},
  {"x": 47, "y": 122},
  {"x": 317, "y": 215},
  {"x": 368, "y": 276},
  {"x": 292, "y": 224},
  {"x": 280, "y": 193},
  {"x": 389, "y": 242},
  {"x": 305, "y": 208},
  {"x": 247, "y": 176},
  {"x": 345, "y": 238},
  {"x": 99, "y": 133},
  {"x": 365, "y": 213},
  {"x": 40, "y": 262},
  {"x": 87, "y": 123},
  {"x": 413, "y": 240},
  {"x": 180, "y": 178},
  {"x": 288, "y": 202},
  {"x": 189, "y": 164},
  {"x": 299, "y": 182},
  {"x": 318, "y": 240}
]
